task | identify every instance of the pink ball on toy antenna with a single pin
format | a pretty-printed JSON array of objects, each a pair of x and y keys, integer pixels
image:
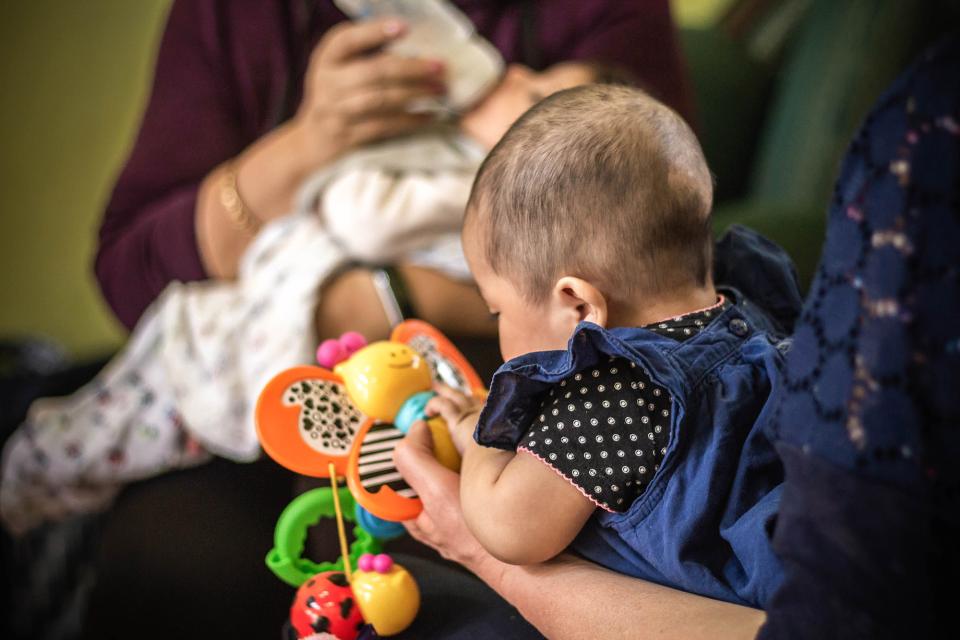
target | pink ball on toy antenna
[
  {"x": 365, "y": 563},
  {"x": 329, "y": 353},
  {"x": 352, "y": 341},
  {"x": 382, "y": 563}
]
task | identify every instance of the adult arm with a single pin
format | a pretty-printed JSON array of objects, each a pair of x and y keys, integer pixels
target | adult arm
[
  {"x": 869, "y": 522},
  {"x": 147, "y": 236},
  {"x": 566, "y": 597},
  {"x": 220, "y": 75},
  {"x": 350, "y": 98}
]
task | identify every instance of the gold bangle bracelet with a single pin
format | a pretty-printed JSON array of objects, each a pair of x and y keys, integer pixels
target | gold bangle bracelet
[{"x": 233, "y": 203}]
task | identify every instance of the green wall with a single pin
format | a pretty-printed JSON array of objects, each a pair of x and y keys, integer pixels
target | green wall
[{"x": 74, "y": 77}]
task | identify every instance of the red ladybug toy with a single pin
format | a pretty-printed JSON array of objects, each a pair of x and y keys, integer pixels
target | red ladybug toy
[{"x": 325, "y": 604}]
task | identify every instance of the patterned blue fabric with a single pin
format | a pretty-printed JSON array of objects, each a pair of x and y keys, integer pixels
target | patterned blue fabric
[
  {"x": 702, "y": 523},
  {"x": 868, "y": 417}
]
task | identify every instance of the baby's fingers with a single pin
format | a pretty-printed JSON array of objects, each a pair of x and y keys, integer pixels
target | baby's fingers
[
  {"x": 458, "y": 398},
  {"x": 445, "y": 408}
]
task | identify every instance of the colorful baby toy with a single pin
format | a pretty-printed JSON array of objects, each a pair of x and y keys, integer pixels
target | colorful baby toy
[
  {"x": 355, "y": 414},
  {"x": 382, "y": 594},
  {"x": 346, "y": 422},
  {"x": 379, "y": 598}
]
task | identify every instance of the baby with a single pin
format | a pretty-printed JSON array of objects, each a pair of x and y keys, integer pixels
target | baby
[{"x": 626, "y": 422}]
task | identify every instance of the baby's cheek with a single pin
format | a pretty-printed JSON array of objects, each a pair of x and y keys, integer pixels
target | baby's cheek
[
  {"x": 508, "y": 346},
  {"x": 518, "y": 337}
]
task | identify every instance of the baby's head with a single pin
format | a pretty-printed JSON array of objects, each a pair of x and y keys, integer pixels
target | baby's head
[
  {"x": 521, "y": 88},
  {"x": 594, "y": 206}
]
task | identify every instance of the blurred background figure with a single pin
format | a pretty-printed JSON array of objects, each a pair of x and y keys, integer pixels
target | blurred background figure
[{"x": 868, "y": 422}]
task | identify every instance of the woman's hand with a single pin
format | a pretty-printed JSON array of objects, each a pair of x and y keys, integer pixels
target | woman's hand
[
  {"x": 355, "y": 93},
  {"x": 440, "y": 525}
]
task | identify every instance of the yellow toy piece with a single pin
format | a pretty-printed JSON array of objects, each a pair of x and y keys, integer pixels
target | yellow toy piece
[
  {"x": 443, "y": 447},
  {"x": 381, "y": 376},
  {"x": 386, "y": 593}
]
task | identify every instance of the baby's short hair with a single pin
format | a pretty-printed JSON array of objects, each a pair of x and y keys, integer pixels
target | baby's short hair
[{"x": 601, "y": 182}]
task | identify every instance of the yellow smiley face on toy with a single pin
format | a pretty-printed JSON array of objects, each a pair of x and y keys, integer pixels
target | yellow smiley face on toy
[
  {"x": 381, "y": 376},
  {"x": 386, "y": 593}
]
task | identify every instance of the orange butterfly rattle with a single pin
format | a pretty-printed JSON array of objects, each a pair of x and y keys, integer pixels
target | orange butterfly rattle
[{"x": 356, "y": 413}]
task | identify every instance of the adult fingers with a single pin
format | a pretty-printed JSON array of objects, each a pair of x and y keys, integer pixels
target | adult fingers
[
  {"x": 424, "y": 529},
  {"x": 394, "y": 99},
  {"x": 349, "y": 39},
  {"x": 413, "y": 528},
  {"x": 418, "y": 466},
  {"x": 386, "y": 69},
  {"x": 385, "y": 127},
  {"x": 416, "y": 448}
]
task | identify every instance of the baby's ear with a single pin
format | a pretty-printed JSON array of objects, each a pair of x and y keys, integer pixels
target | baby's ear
[{"x": 580, "y": 300}]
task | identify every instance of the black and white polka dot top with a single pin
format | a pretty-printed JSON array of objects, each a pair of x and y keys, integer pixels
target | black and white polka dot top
[{"x": 606, "y": 429}]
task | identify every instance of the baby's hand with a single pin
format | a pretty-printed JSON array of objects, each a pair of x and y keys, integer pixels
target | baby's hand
[{"x": 460, "y": 412}]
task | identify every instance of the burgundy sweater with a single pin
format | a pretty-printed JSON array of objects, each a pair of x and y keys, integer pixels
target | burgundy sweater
[{"x": 228, "y": 71}]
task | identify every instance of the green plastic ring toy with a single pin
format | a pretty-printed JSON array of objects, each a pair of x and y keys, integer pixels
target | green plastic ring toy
[{"x": 286, "y": 558}]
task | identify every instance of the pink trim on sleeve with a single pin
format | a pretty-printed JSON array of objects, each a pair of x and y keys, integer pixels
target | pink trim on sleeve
[{"x": 572, "y": 483}]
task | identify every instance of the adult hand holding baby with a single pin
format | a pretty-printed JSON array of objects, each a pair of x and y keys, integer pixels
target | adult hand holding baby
[
  {"x": 355, "y": 93},
  {"x": 440, "y": 525}
]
